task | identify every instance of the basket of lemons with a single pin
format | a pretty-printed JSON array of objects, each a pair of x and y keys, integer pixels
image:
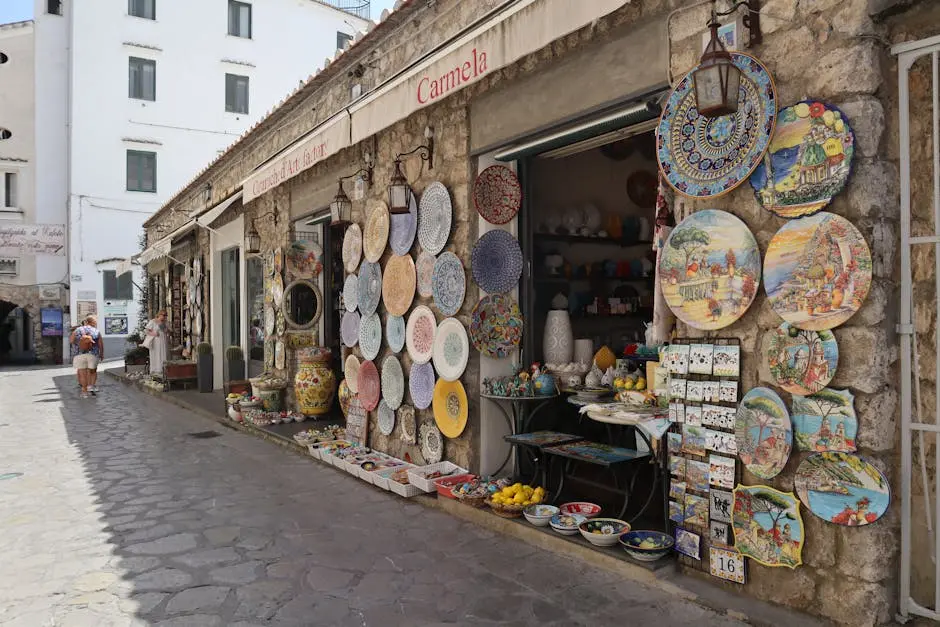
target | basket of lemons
[{"x": 511, "y": 500}]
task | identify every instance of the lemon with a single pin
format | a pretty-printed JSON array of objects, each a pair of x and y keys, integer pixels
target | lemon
[{"x": 518, "y": 499}]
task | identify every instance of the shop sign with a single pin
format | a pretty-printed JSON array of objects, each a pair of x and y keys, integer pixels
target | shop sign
[
  {"x": 50, "y": 292},
  {"x": 115, "y": 325},
  {"x": 51, "y": 321},
  {"x": 33, "y": 239},
  {"x": 115, "y": 308}
]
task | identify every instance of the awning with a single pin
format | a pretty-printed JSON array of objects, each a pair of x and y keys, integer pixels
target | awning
[
  {"x": 161, "y": 248},
  {"x": 523, "y": 28},
  {"x": 210, "y": 216}
]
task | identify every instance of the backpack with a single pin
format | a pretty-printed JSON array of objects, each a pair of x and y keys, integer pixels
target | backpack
[{"x": 86, "y": 342}]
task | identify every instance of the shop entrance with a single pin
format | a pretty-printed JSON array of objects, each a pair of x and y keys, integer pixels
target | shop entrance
[{"x": 15, "y": 334}]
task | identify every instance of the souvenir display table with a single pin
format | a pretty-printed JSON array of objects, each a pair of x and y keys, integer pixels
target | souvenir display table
[
  {"x": 512, "y": 408},
  {"x": 535, "y": 443}
]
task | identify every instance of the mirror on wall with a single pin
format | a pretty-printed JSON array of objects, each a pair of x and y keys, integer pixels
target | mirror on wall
[{"x": 302, "y": 304}]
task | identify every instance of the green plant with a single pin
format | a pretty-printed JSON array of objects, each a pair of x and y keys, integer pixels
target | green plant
[
  {"x": 135, "y": 338},
  {"x": 203, "y": 348},
  {"x": 234, "y": 353}
]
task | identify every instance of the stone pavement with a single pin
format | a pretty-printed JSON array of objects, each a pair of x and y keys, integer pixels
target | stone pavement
[{"x": 121, "y": 518}]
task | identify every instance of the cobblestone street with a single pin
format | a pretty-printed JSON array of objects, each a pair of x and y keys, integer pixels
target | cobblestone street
[{"x": 121, "y": 518}]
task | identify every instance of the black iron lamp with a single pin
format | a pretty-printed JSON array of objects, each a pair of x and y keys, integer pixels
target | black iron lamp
[
  {"x": 341, "y": 205},
  {"x": 717, "y": 79},
  {"x": 252, "y": 238},
  {"x": 399, "y": 192}
]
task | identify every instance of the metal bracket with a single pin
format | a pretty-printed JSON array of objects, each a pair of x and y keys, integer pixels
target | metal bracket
[{"x": 905, "y": 329}]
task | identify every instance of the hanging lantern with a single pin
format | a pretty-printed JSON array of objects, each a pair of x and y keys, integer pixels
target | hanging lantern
[
  {"x": 398, "y": 191},
  {"x": 252, "y": 241},
  {"x": 717, "y": 79},
  {"x": 341, "y": 207}
]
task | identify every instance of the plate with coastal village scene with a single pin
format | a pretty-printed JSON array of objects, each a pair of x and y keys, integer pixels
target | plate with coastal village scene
[
  {"x": 710, "y": 268},
  {"x": 825, "y": 421},
  {"x": 767, "y": 526},
  {"x": 801, "y": 362},
  {"x": 808, "y": 162},
  {"x": 763, "y": 433},
  {"x": 842, "y": 489},
  {"x": 817, "y": 271}
]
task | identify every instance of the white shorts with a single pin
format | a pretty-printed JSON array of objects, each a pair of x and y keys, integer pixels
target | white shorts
[{"x": 85, "y": 361}]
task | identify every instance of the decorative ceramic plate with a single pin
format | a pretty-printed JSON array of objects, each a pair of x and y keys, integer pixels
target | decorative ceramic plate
[
  {"x": 421, "y": 385},
  {"x": 767, "y": 526},
  {"x": 497, "y": 194},
  {"x": 450, "y": 407},
  {"x": 808, "y": 162},
  {"x": 395, "y": 333},
  {"x": 817, "y": 271},
  {"x": 424, "y": 269},
  {"x": 825, "y": 421},
  {"x": 349, "y": 328},
  {"x": 763, "y": 433},
  {"x": 370, "y": 386},
  {"x": 404, "y": 228},
  {"x": 351, "y": 372},
  {"x": 352, "y": 247},
  {"x": 386, "y": 419},
  {"x": 197, "y": 323},
  {"x": 370, "y": 287},
  {"x": 448, "y": 284},
  {"x": 393, "y": 382},
  {"x": 409, "y": 428},
  {"x": 432, "y": 444},
  {"x": 351, "y": 292},
  {"x": 370, "y": 335},
  {"x": 269, "y": 263},
  {"x": 278, "y": 261},
  {"x": 279, "y": 354},
  {"x": 269, "y": 320},
  {"x": 277, "y": 290},
  {"x": 709, "y": 269},
  {"x": 398, "y": 286},
  {"x": 434, "y": 218},
  {"x": 419, "y": 334},
  {"x": 304, "y": 259},
  {"x": 496, "y": 326},
  {"x": 497, "y": 262},
  {"x": 801, "y": 362},
  {"x": 843, "y": 489},
  {"x": 707, "y": 157},
  {"x": 375, "y": 234},
  {"x": 280, "y": 326},
  {"x": 451, "y": 349}
]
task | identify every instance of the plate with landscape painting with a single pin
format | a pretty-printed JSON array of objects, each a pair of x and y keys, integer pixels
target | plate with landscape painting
[
  {"x": 825, "y": 421},
  {"x": 767, "y": 526},
  {"x": 842, "y": 489},
  {"x": 763, "y": 433},
  {"x": 710, "y": 268},
  {"x": 817, "y": 271},
  {"x": 801, "y": 362},
  {"x": 808, "y": 162}
]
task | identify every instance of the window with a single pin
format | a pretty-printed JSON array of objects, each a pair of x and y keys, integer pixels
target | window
[
  {"x": 236, "y": 93},
  {"x": 142, "y": 79},
  {"x": 142, "y": 8},
  {"x": 141, "y": 171},
  {"x": 239, "y": 19},
  {"x": 9, "y": 189},
  {"x": 118, "y": 287},
  {"x": 341, "y": 39},
  {"x": 54, "y": 7}
]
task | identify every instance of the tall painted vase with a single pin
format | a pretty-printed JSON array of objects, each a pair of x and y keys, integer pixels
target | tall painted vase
[
  {"x": 314, "y": 383},
  {"x": 558, "y": 340}
]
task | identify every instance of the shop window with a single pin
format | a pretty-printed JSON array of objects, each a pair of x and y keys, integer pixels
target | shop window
[
  {"x": 142, "y": 79},
  {"x": 141, "y": 171},
  {"x": 236, "y": 93},
  {"x": 342, "y": 39},
  {"x": 142, "y": 8},
  {"x": 54, "y": 7},
  {"x": 118, "y": 287},
  {"x": 9, "y": 190},
  {"x": 5, "y": 133},
  {"x": 239, "y": 19}
]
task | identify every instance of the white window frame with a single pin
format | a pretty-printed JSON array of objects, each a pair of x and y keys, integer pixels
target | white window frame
[{"x": 141, "y": 63}]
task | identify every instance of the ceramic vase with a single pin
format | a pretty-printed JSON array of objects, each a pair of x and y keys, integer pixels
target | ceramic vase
[
  {"x": 314, "y": 383},
  {"x": 558, "y": 341},
  {"x": 544, "y": 385},
  {"x": 584, "y": 351}
]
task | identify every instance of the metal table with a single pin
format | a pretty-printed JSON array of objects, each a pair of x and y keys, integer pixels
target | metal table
[
  {"x": 539, "y": 440},
  {"x": 513, "y": 409}
]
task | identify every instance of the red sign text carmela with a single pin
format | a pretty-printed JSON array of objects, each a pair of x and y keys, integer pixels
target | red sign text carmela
[
  {"x": 433, "y": 88},
  {"x": 290, "y": 166}
]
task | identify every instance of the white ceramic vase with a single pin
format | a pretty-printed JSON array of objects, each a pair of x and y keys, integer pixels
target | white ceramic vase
[
  {"x": 558, "y": 340},
  {"x": 584, "y": 352}
]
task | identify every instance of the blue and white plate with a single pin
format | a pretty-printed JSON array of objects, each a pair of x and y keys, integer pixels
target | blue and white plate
[
  {"x": 351, "y": 292},
  {"x": 448, "y": 283},
  {"x": 370, "y": 336},
  {"x": 386, "y": 418},
  {"x": 393, "y": 382},
  {"x": 395, "y": 333},
  {"x": 370, "y": 287},
  {"x": 421, "y": 384},
  {"x": 404, "y": 228},
  {"x": 349, "y": 328},
  {"x": 496, "y": 262},
  {"x": 434, "y": 218}
]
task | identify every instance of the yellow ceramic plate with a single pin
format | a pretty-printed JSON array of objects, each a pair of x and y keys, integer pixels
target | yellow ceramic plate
[
  {"x": 450, "y": 407},
  {"x": 398, "y": 286},
  {"x": 375, "y": 235}
]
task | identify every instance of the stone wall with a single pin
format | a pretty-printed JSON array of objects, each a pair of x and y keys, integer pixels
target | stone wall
[{"x": 48, "y": 350}]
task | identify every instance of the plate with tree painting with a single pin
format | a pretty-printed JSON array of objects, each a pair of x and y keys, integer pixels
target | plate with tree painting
[
  {"x": 842, "y": 489},
  {"x": 825, "y": 421},
  {"x": 801, "y": 362},
  {"x": 767, "y": 526},
  {"x": 763, "y": 433}
]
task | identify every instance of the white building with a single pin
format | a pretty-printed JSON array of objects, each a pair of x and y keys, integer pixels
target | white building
[{"x": 132, "y": 98}]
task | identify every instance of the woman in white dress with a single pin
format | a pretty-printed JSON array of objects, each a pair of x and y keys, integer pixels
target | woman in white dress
[{"x": 158, "y": 345}]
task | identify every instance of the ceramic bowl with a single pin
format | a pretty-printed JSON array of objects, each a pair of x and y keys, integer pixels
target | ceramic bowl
[
  {"x": 603, "y": 531},
  {"x": 588, "y": 510},
  {"x": 646, "y": 546},
  {"x": 539, "y": 515},
  {"x": 566, "y": 524}
]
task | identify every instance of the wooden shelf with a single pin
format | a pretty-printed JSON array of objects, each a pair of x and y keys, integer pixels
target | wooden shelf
[
  {"x": 642, "y": 311},
  {"x": 586, "y": 239}
]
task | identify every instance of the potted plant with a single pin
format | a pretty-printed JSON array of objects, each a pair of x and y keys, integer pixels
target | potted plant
[
  {"x": 204, "y": 365},
  {"x": 235, "y": 363}
]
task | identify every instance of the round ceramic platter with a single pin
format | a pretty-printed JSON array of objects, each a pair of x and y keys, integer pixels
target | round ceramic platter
[
  {"x": 351, "y": 372},
  {"x": 370, "y": 287},
  {"x": 709, "y": 269},
  {"x": 419, "y": 334},
  {"x": 277, "y": 290},
  {"x": 434, "y": 218},
  {"x": 451, "y": 349},
  {"x": 269, "y": 263},
  {"x": 432, "y": 444},
  {"x": 351, "y": 292},
  {"x": 269, "y": 320},
  {"x": 395, "y": 333},
  {"x": 448, "y": 283},
  {"x": 386, "y": 419},
  {"x": 810, "y": 159},
  {"x": 763, "y": 433},
  {"x": 424, "y": 269},
  {"x": 398, "y": 286},
  {"x": 801, "y": 362},
  {"x": 406, "y": 418},
  {"x": 278, "y": 261},
  {"x": 269, "y": 355},
  {"x": 370, "y": 386},
  {"x": 856, "y": 493},
  {"x": 280, "y": 327},
  {"x": 197, "y": 324},
  {"x": 393, "y": 382},
  {"x": 706, "y": 157},
  {"x": 279, "y": 354},
  {"x": 349, "y": 328},
  {"x": 198, "y": 296},
  {"x": 352, "y": 248},
  {"x": 303, "y": 259},
  {"x": 370, "y": 335},
  {"x": 817, "y": 271},
  {"x": 375, "y": 235},
  {"x": 404, "y": 227},
  {"x": 450, "y": 407},
  {"x": 496, "y": 326},
  {"x": 497, "y": 195},
  {"x": 421, "y": 385},
  {"x": 345, "y": 394},
  {"x": 497, "y": 262}
]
